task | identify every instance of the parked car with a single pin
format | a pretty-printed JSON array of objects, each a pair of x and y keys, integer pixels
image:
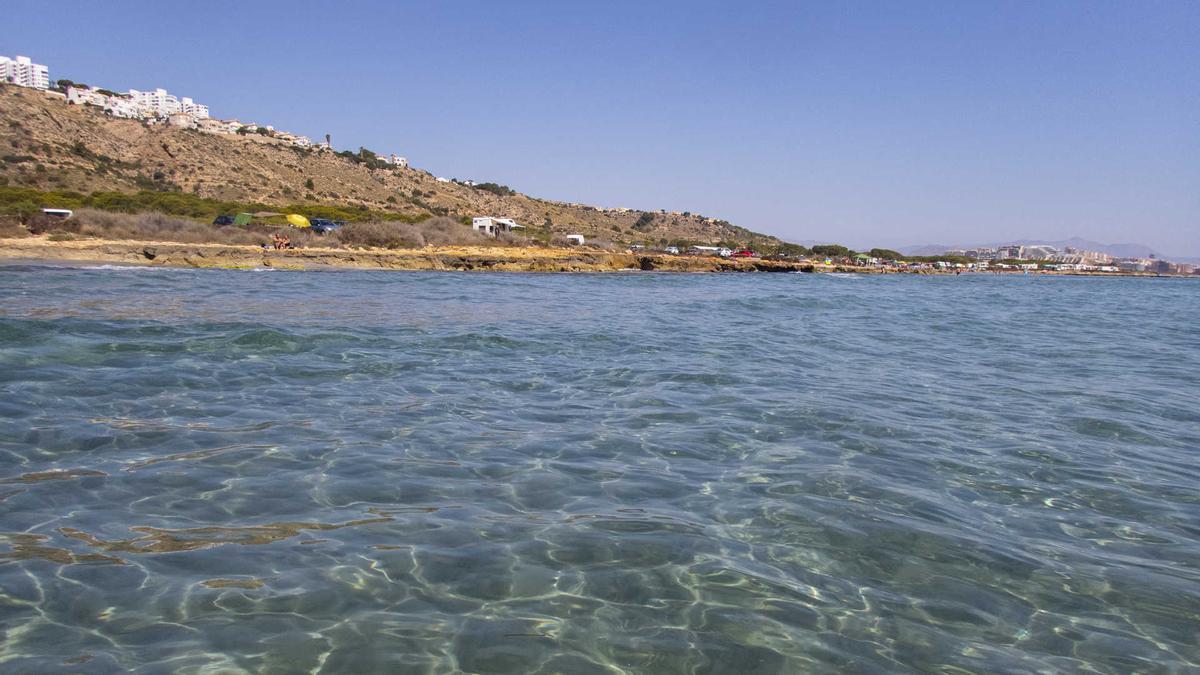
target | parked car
[
  {"x": 744, "y": 253},
  {"x": 324, "y": 225},
  {"x": 224, "y": 219},
  {"x": 673, "y": 250}
]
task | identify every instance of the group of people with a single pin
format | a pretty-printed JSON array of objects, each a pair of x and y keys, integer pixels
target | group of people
[{"x": 281, "y": 241}]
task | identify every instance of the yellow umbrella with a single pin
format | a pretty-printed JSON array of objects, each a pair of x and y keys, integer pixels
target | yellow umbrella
[{"x": 297, "y": 220}]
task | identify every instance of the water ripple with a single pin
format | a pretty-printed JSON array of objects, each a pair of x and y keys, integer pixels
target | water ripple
[{"x": 385, "y": 472}]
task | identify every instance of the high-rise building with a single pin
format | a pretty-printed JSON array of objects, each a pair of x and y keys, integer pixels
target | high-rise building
[{"x": 24, "y": 72}]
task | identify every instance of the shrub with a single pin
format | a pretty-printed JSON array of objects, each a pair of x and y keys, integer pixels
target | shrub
[
  {"x": 156, "y": 227},
  {"x": 438, "y": 231},
  {"x": 644, "y": 222},
  {"x": 498, "y": 190},
  {"x": 831, "y": 250},
  {"x": 11, "y": 228}
]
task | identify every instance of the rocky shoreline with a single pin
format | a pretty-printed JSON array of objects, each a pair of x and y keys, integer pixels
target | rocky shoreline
[{"x": 448, "y": 258}]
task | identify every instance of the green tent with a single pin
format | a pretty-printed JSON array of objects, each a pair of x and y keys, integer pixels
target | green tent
[{"x": 242, "y": 219}]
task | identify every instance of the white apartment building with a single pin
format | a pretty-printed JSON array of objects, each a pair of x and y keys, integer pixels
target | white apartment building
[
  {"x": 397, "y": 161},
  {"x": 157, "y": 103},
  {"x": 197, "y": 110},
  {"x": 23, "y": 72}
]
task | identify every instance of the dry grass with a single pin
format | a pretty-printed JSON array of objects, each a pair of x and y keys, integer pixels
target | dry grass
[
  {"x": 147, "y": 227},
  {"x": 438, "y": 231},
  {"x": 11, "y": 228}
]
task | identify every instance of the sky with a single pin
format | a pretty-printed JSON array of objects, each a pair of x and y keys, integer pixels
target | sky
[{"x": 884, "y": 123}]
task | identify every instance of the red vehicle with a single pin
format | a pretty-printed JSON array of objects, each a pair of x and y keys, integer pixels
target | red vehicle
[{"x": 744, "y": 253}]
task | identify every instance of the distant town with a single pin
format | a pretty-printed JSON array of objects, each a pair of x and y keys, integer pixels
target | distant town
[{"x": 1067, "y": 259}]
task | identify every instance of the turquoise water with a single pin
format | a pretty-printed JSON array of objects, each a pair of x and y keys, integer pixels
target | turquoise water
[{"x": 220, "y": 471}]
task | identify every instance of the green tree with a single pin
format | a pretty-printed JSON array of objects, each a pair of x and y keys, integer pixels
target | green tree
[
  {"x": 831, "y": 250},
  {"x": 884, "y": 254},
  {"x": 791, "y": 250},
  {"x": 498, "y": 190},
  {"x": 644, "y": 222},
  {"x": 309, "y": 184}
]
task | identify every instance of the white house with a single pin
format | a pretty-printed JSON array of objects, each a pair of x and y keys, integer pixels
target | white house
[
  {"x": 84, "y": 96},
  {"x": 492, "y": 226},
  {"x": 117, "y": 106},
  {"x": 23, "y": 72}
]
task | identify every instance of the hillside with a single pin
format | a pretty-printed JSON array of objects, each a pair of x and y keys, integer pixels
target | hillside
[{"x": 49, "y": 145}]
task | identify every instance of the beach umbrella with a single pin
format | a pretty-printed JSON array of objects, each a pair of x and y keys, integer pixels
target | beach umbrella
[{"x": 297, "y": 220}]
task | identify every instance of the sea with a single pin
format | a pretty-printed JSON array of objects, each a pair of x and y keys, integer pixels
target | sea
[{"x": 219, "y": 471}]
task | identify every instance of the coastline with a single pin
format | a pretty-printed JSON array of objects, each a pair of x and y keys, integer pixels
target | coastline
[{"x": 442, "y": 258}]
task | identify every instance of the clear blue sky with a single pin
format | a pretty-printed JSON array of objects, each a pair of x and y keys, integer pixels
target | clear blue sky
[{"x": 868, "y": 123}]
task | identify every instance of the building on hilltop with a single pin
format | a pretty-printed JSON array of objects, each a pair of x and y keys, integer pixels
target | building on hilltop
[
  {"x": 215, "y": 126},
  {"x": 157, "y": 103},
  {"x": 23, "y": 72},
  {"x": 117, "y": 105},
  {"x": 85, "y": 96},
  {"x": 160, "y": 103},
  {"x": 181, "y": 120},
  {"x": 196, "y": 110}
]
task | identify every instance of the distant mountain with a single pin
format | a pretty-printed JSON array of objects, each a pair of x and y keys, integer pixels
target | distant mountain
[{"x": 1116, "y": 250}]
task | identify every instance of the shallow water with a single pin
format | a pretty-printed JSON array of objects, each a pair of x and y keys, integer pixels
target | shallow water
[{"x": 220, "y": 471}]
